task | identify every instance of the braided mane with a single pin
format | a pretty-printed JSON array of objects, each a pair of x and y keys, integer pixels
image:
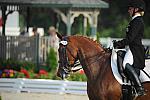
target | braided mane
[
  {"x": 98, "y": 44},
  {"x": 89, "y": 39}
]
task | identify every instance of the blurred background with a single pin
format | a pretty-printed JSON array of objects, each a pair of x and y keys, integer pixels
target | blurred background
[
  {"x": 29, "y": 50},
  {"x": 28, "y": 40}
]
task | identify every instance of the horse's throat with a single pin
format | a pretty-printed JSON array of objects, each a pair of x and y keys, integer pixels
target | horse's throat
[
  {"x": 91, "y": 66},
  {"x": 95, "y": 66}
]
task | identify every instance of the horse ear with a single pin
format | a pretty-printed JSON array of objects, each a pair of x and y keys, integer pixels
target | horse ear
[{"x": 59, "y": 35}]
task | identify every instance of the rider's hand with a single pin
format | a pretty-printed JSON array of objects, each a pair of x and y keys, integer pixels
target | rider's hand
[{"x": 117, "y": 44}]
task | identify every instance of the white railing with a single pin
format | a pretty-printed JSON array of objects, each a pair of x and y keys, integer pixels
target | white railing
[{"x": 42, "y": 86}]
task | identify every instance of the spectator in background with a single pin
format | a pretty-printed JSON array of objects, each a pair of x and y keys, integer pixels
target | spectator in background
[
  {"x": 1, "y": 21},
  {"x": 34, "y": 31},
  {"x": 22, "y": 32},
  {"x": 54, "y": 40}
]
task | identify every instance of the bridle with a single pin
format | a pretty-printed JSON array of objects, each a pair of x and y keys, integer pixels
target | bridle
[{"x": 64, "y": 62}]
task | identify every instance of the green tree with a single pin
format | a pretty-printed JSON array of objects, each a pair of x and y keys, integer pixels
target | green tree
[
  {"x": 114, "y": 20},
  {"x": 52, "y": 59}
]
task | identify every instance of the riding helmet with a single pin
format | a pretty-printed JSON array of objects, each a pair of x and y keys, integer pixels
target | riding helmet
[{"x": 137, "y": 4}]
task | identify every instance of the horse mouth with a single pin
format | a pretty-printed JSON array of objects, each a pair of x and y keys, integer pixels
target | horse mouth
[{"x": 62, "y": 75}]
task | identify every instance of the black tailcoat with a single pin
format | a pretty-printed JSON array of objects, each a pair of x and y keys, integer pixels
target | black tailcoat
[{"x": 134, "y": 35}]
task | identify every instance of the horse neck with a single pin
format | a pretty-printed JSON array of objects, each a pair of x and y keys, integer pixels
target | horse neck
[{"x": 90, "y": 55}]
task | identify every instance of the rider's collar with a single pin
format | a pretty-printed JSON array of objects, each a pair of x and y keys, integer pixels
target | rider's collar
[{"x": 136, "y": 16}]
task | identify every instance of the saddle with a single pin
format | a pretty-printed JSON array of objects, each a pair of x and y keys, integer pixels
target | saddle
[
  {"x": 120, "y": 57},
  {"x": 118, "y": 71}
]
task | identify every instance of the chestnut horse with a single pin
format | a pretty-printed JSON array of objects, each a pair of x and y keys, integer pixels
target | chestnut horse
[{"x": 95, "y": 60}]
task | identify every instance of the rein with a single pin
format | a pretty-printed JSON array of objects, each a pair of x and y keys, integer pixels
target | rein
[{"x": 99, "y": 55}]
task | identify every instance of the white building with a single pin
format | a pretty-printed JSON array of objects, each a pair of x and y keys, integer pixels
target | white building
[{"x": 12, "y": 24}]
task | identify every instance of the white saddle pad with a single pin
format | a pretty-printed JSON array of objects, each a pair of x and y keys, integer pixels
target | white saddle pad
[{"x": 143, "y": 77}]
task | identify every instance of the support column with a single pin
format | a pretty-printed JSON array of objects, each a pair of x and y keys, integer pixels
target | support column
[
  {"x": 4, "y": 18},
  {"x": 3, "y": 39},
  {"x": 69, "y": 23},
  {"x": 94, "y": 22},
  {"x": 28, "y": 19},
  {"x": 58, "y": 22},
  {"x": 91, "y": 16},
  {"x": 87, "y": 18},
  {"x": 66, "y": 19},
  {"x": 85, "y": 25}
]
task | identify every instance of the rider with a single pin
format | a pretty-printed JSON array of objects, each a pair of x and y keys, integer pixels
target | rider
[{"x": 133, "y": 42}]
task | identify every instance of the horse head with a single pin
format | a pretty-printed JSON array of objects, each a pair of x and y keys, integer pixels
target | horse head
[{"x": 67, "y": 56}]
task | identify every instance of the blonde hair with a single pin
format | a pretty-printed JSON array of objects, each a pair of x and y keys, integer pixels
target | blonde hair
[{"x": 142, "y": 13}]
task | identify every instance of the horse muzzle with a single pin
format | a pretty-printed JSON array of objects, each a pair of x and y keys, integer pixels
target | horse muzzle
[{"x": 62, "y": 75}]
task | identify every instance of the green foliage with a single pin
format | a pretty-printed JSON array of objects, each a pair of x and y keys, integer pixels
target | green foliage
[
  {"x": 30, "y": 68},
  {"x": 77, "y": 27},
  {"x": 97, "y": 36},
  {"x": 16, "y": 65},
  {"x": 121, "y": 28},
  {"x": 88, "y": 30},
  {"x": 20, "y": 75},
  {"x": 27, "y": 65},
  {"x": 80, "y": 26},
  {"x": 114, "y": 24},
  {"x": 106, "y": 32},
  {"x": 110, "y": 20},
  {"x": 117, "y": 31},
  {"x": 52, "y": 59},
  {"x": 21, "y": 22},
  {"x": 147, "y": 32},
  {"x": 45, "y": 67},
  {"x": 9, "y": 64},
  {"x": 77, "y": 77}
]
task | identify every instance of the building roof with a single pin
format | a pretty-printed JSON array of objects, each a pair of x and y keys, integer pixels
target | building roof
[{"x": 58, "y": 3}]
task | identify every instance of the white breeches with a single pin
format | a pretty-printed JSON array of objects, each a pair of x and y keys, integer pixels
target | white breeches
[{"x": 128, "y": 58}]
